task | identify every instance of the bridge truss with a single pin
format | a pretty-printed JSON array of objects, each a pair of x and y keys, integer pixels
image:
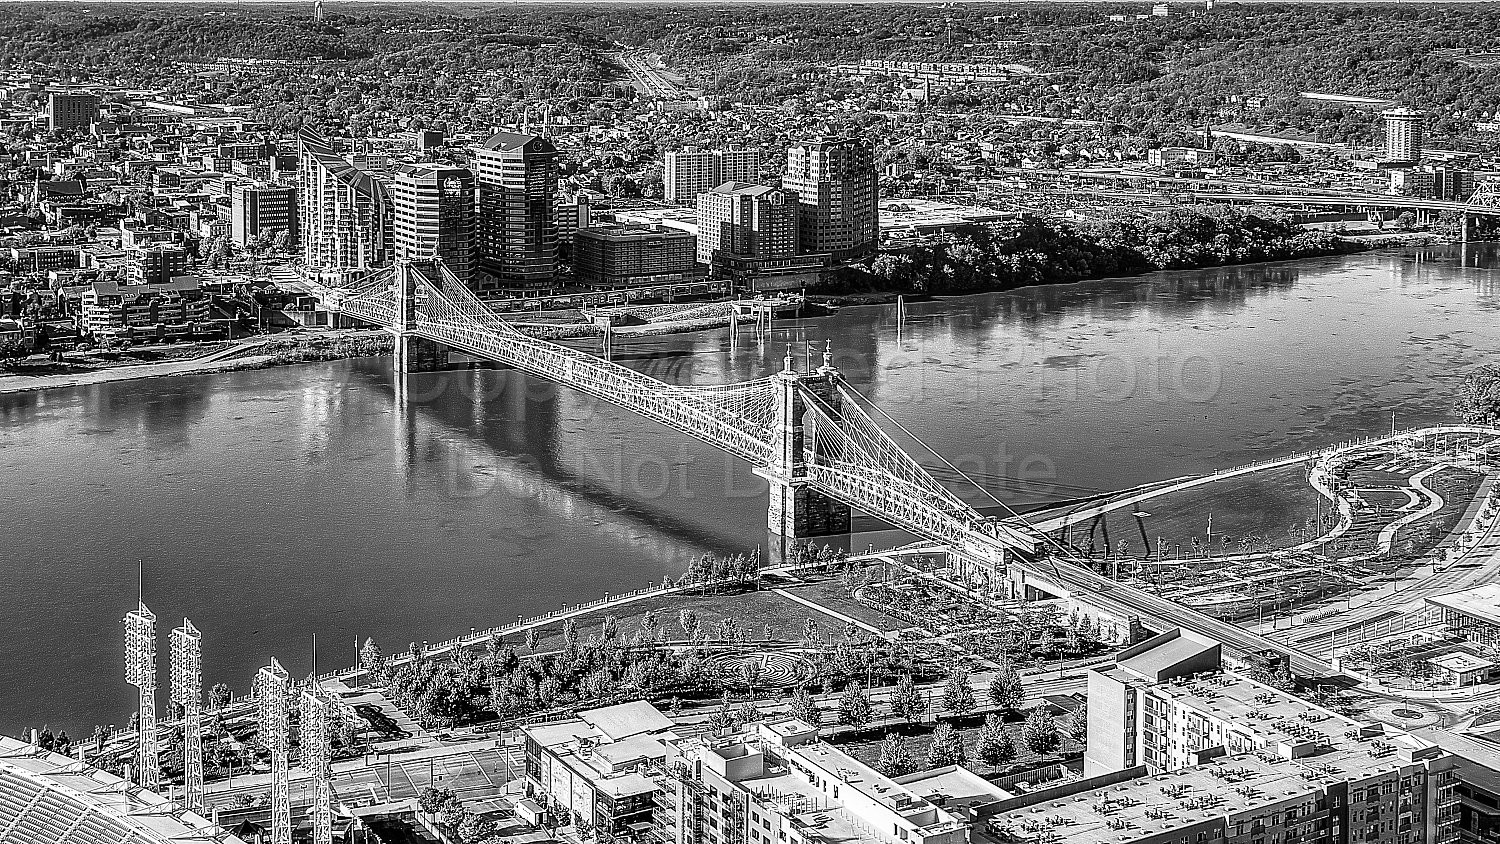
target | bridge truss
[{"x": 844, "y": 455}]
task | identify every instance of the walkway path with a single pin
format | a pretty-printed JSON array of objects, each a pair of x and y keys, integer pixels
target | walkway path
[{"x": 875, "y": 631}]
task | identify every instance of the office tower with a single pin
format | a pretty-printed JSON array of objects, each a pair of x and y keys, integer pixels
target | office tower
[
  {"x": 693, "y": 171},
  {"x": 516, "y": 184},
  {"x": 71, "y": 111},
  {"x": 262, "y": 209},
  {"x": 1403, "y": 134},
  {"x": 434, "y": 216},
  {"x": 839, "y": 190},
  {"x": 344, "y": 213}
]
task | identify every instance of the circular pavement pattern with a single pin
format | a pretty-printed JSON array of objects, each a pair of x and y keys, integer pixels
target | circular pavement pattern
[{"x": 776, "y": 668}]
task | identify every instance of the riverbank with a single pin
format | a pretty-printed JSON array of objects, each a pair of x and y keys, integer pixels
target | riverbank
[
  {"x": 262, "y": 352},
  {"x": 251, "y": 353}
]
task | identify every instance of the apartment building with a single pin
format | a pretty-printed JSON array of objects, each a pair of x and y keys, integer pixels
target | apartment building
[
  {"x": 175, "y": 308},
  {"x": 260, "y": 209},
  {"x": 344, "y": 213},
  {"x": 156, "y": 264},
  {"x": 1181, "y": 751},
  {"x": 695, "y": 171},
  {"x": 591, "y": 767},
  {"x": 776, "y": 783},
  {"x": 838, "y": 186},
  {"x": 67, "y": 110}
]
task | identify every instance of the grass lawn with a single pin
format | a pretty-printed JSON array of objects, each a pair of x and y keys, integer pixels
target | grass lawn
[
  {"x": 1261, "y": 503},
  {"x": 754, "y": 610}
]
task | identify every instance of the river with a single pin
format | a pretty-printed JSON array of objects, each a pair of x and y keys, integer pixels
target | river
[{"x": 273, "y": 505}]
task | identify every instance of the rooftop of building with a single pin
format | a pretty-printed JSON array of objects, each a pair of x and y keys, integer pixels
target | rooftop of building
[
  {"x": 58, "y": 794},
  {"x": 954, "y": 784},
  {"x": 630, "y": 231},
  {"x": 744, "y": 189},
  {"x": 179, "y": 284},
  {"x": 1222, "y": 788},
  {"x": 1481, "y": 602},
  {"x": 1168, "y": 655},
  {"x": 510, "y": 141}
]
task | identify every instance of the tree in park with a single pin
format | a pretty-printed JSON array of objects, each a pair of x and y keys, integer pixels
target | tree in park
[
  {"x": 750, "y": 671},
  {"x": 570, "y": 635},
  {"x": 1478, "y": 400},
  {"x": 372, "y": 659},
  {"x": 219, "y": 696},
  {"x": 907, "y": 702},
  {"x": 947, "y": 747},
  {"x": 805, "y": 708},
  {"x": 533, "y": 638},
  {"x": 854, "y": 706},
  {"x": 1040, "y": 733},
  {"x": 749, "y": 713},
  {"x": 688, "y": 621},
  {"x": 995, "y": 746},
  {"x": 722, "y": 719},
  {"x": 1006, "y": 691},
  {"x": 649, "y": 628},
  {"x": 810, "y": 631},
  {"x": 895, "y": 757},
  {"x": 1078, "y": 724},
  {"x": 958, "y": 698}
]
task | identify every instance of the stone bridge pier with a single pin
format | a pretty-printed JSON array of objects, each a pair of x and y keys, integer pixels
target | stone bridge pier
[
  {"x": 414, "y": 353},
  {"x": 795, "y": 510}
]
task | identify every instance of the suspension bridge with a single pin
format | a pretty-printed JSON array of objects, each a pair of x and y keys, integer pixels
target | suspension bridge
[{"x": 807, "y": 434}]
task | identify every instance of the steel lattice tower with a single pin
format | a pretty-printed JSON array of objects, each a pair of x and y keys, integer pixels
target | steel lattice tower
[
  {"x": 319, "y": 714},
  {"x": 187, "y": 692},
  {"x": 273, "y": 690},
  {"x": 140, "y": 671}
]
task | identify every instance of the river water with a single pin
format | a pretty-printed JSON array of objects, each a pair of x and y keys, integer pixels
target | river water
[{"x": 273, "y": 505}]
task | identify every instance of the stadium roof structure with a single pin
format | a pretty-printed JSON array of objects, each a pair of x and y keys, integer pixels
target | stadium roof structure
[{"x": 49, "y": 798}]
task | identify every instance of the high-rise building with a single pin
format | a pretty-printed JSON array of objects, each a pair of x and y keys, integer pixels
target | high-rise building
[
  {"x": 71, "y": 111},
  {"x": 344, "y": 213},
  {"x": 516, "y": 185},
  {"x": 747, "y": 221},
  {"x": 434, "y": 216},
  {"x": 262, "y": 209},
  {"x": 749, "y": 233},
  {"x": 839, "y": 189},
  {"x": 1403, "y": 134},
  {"x": 693, "y": 171}
]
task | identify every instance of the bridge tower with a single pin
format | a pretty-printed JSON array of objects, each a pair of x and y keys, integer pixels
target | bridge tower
[
  {"x": 795, "y": 510},
  {"x": 414, "y": 353}
]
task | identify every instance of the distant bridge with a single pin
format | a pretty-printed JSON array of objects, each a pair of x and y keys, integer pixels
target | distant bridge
[{"x": 1484, "y": 202}]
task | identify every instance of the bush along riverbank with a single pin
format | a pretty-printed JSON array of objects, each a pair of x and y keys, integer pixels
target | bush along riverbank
[
  {"x": 282, "y": 351},
  {"x": 1029, "y": 251}
]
